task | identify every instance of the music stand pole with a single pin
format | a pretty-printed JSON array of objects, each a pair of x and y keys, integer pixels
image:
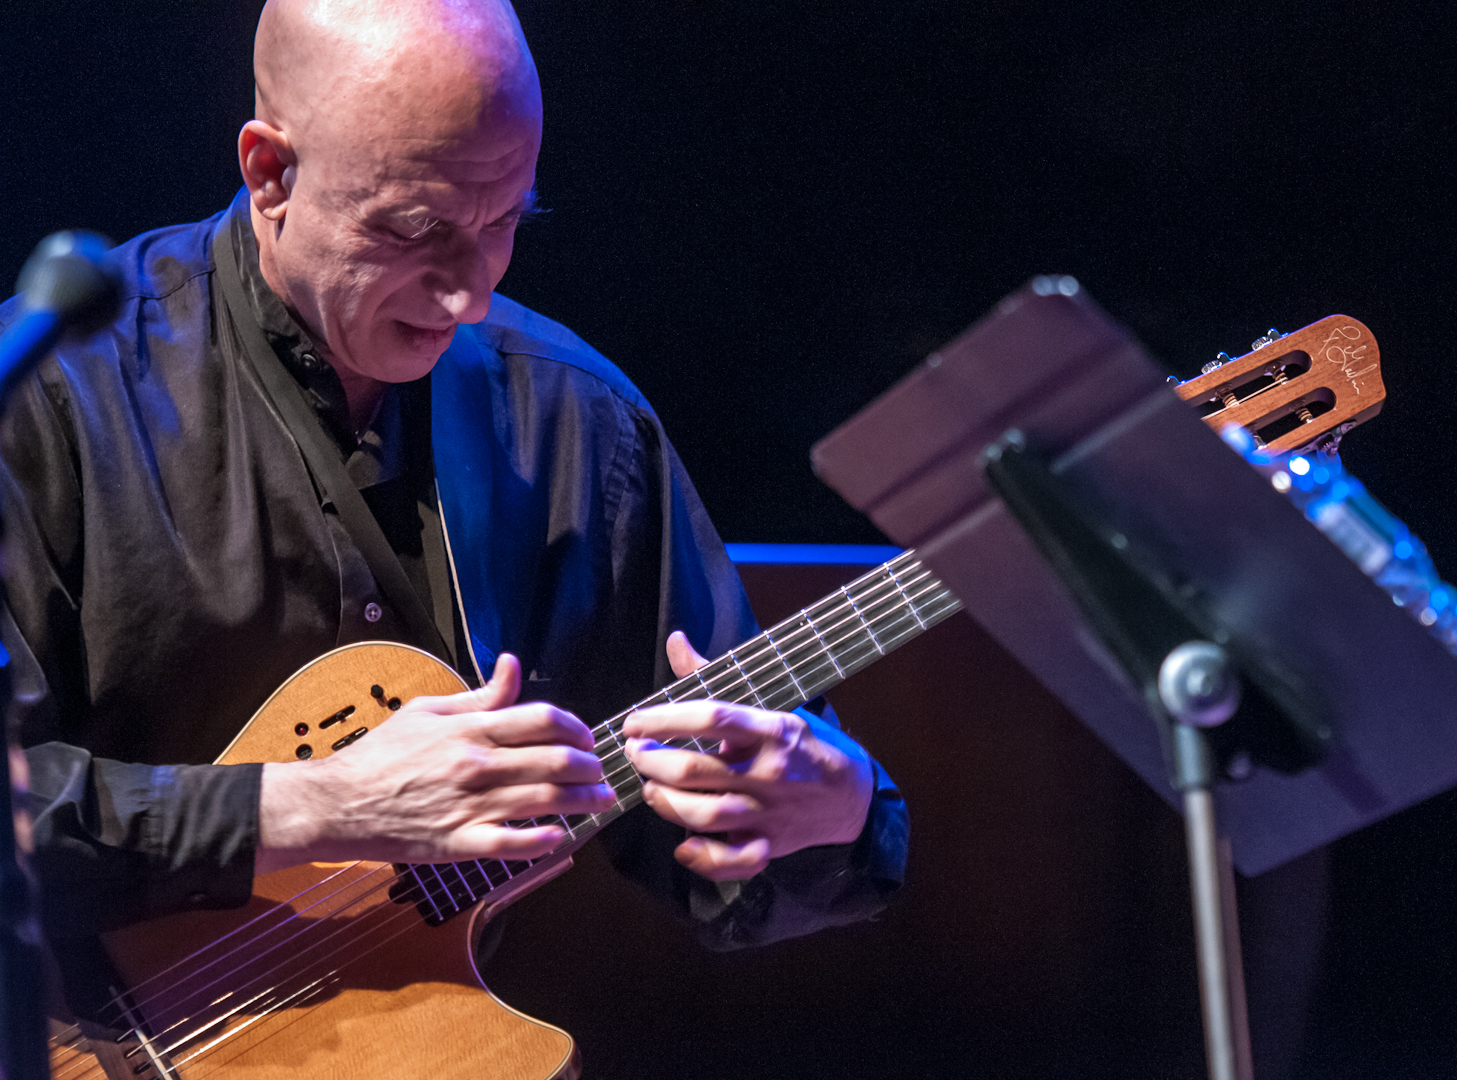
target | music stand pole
[{"x": 1195, "y": 769}]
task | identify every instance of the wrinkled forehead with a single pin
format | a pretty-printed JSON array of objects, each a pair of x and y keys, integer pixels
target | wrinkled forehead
[{"x": 476, "y": 176}]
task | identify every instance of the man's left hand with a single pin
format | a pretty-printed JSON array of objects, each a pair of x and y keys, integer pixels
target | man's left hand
[{"x": 767, "y": 784}]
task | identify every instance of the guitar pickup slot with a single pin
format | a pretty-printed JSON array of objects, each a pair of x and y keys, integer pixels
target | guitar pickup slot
[
  {"x": 339, "y": 717},
  {"x": 353, "y": 736}
]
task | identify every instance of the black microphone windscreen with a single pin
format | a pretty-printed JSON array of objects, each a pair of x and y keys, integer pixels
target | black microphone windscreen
[{"x": 71, "y": 274}]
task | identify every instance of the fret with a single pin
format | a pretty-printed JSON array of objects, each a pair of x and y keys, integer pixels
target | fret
[
  {"x": 444, "y": 887},
  {"x": 708, "y": 690},
  {"x": 868, "y": 628},
  {"x": 471, "y": 893},
  {"x": 823, "y": 644},
  {"x": 910, "y": 604},
  {"x": 781, "y": 663},
  {"x": 803, "y": 654},
  {"x": 485, "y": 885},
  {"x": 747, "y": 681},
  {"x": 425, "y": 893},
  {"x": 722, "y": 680},
  {"x": 501, "y": 874}
]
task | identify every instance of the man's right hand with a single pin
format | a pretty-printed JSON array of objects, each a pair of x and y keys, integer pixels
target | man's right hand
[{"x": 436, "y": 784}]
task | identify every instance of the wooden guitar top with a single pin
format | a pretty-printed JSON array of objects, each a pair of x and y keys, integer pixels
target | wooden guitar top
[{"x": 322, "y": 975}]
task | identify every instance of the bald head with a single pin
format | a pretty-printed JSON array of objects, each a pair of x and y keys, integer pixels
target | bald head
[
  {"x": 393, "y": 151},
  {"x": 352, "y": 70}
]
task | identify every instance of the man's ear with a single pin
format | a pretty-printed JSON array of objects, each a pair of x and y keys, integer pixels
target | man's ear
[{"x": 269, "y": 165}]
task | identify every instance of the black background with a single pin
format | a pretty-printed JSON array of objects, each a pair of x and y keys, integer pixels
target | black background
[{"x": 766, "y": 213}]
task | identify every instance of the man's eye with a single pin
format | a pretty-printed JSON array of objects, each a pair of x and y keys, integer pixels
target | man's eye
[{"x": 413, "y": 230}]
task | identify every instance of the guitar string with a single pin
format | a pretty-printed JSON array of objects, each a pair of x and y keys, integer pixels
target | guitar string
[
  {"x": 278, "y": 987},
  {"x": 323, "y": 924},
  {"x": 784, "y": 681},
  {"x": 285, "y": 1001},
  {"x": 99, "y": 1071},
  {"x": 716, "y": 690},
  {"x": 221, "y": 942},
  {"x": 778, "y": 652},
  {"x": 744, "y": 678},
  {"x": 797, "y": 639}
]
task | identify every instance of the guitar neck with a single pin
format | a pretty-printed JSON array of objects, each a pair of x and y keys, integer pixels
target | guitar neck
[
  {"x": 792, "y": 662},
  {"x": 785, "y": 666}
]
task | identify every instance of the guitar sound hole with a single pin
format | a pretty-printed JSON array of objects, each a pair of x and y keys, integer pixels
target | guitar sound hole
[{"x": 304, "y": 752}]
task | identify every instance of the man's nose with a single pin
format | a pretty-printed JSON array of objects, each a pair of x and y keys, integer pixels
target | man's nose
[{"x": 467, "y": 282}]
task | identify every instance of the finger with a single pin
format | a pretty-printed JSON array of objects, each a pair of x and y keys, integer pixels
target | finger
[
  {"x": 522, "y": 801},
  {"x": 533, "y": 724},
  {"x": 683, "y": 768},
  {"x": 729, "y": 812},
  {"x": 682, "y": 656},
  {"x": 718, "y": 860},
  {"x": 484, "y": 841},
  {"x": 481, "y": 768},
  {"x": 501, "y": 691},
  {"x": 737, "y": 725}
]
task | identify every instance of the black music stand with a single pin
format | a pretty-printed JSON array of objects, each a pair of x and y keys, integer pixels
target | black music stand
[{"x": 1086, "y": 517}]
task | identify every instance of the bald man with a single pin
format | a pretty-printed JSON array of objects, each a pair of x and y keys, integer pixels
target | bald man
[{"x": 314, "y": 423}]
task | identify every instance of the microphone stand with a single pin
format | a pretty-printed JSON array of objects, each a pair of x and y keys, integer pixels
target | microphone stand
[{"x": 69, "y": 288}]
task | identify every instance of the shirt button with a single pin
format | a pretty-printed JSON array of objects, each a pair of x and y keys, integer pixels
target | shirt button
[{"x": 373, "y": 612}]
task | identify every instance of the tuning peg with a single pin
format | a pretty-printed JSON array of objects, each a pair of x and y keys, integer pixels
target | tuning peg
[
  {"x": 1218, "y": 362},
  {"x": 1270, "y": 336}
]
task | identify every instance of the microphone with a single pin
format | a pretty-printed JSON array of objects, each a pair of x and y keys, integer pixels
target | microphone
[{"x": 71, "y": 288}]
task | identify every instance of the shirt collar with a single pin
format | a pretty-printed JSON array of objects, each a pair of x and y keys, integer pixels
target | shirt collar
[
  {"x": 380, "y": 453},
  {"x": 295, "y": 348}
]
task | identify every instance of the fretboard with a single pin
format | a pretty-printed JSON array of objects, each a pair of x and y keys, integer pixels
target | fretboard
[{"x": 783, "y": 667}]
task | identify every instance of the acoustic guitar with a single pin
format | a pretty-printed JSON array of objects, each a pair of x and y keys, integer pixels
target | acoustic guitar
[{"x": 365, "y": 969}]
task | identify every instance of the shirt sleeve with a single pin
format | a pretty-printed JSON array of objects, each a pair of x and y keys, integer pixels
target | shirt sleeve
[
  {"x": 118, "y": 843},
  {"x": 115, "y": 843},
  {"x": 664, "y": 538}
]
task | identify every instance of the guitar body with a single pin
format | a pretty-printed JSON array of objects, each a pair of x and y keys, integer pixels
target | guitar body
[{"x": 322, "y": 975}]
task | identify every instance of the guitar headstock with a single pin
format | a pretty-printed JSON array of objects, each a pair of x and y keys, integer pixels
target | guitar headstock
[{"x": 1294, "y": 391}]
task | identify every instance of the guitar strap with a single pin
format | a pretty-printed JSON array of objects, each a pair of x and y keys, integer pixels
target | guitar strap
[{"x": 322, "y": 456}]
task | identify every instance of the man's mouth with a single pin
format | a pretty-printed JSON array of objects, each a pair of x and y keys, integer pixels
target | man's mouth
[{"x": 426, "y": 337}]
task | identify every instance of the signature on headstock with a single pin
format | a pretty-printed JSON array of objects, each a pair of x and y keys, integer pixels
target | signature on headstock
[
  {"x": 1293, "y": 391},
  {"x": 1340, "y": 347}
]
